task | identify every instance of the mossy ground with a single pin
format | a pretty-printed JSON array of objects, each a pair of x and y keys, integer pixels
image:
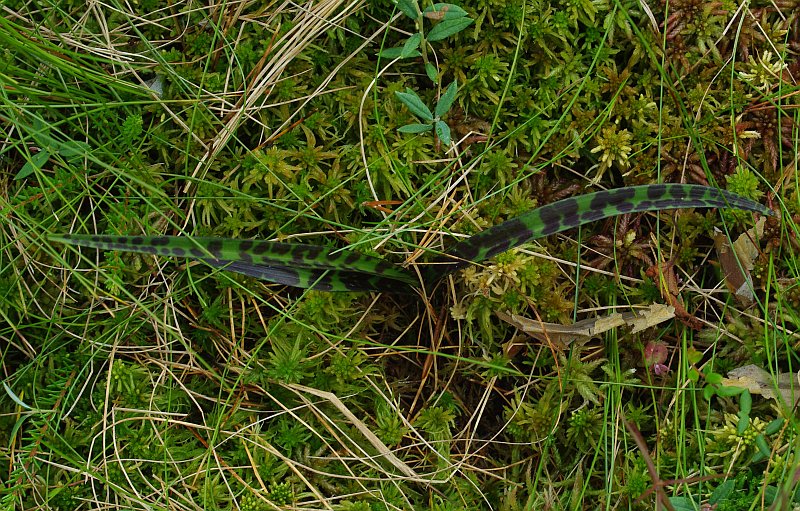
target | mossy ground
[{"x": 138, "y": 382}]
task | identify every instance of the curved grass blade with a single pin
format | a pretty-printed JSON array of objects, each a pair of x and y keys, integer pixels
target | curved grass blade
[
  {"x": 576, "y": 211},
  {"x": 292, "y": 264}
]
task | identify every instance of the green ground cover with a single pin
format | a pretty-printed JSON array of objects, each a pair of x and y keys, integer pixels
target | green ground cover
[{"x": 394, "y": 131}]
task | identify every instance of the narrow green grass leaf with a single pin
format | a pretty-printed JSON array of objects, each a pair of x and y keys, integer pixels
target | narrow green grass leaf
[
  {"x": 14, "y": 397},
  {"x": 576, "y": 211}
]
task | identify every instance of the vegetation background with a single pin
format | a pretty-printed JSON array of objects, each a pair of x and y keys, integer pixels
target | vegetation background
[{"x": 141, "y": 383}]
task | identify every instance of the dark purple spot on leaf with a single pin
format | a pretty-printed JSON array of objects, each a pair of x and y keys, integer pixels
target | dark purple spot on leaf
[{"x": 656, "y": 191}]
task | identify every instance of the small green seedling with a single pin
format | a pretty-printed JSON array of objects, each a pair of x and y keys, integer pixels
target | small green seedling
[
  {"x": 432, "y": 120},
  {"x": 451, "y": 19}
]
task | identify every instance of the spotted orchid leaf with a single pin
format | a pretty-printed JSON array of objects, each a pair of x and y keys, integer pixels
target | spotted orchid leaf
[
  {"x": 319, "y": 279},
  {"x": 316, "y": 267},
  {"x": 293, "y": 264},
  {"x": 576, "y": 211}
]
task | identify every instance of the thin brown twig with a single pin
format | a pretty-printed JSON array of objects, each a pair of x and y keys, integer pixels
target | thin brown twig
[{"x": 658, "y": 483}]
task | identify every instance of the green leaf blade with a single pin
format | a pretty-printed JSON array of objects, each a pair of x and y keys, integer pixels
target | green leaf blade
[
  {"x": 415, "y": 128},
  {"x": 444, "y": 11},
  {"x": 36, "y": 162},
  {"x": 433, "y": 74},
  {"x": 411, "y": 45},
  {"x": 443, "y": 132},
  {"x": 415, "y": 104},
  {"x": 285, "y": 263},
  {"x": 576, "y": 211},
  {"x": 393, "y": 53},
  {"x": 447, "y": 99},
  {"x": 72, "y": 149},
  {"x": 408, "y": 7},
  {"x": 448, "y": 27}
]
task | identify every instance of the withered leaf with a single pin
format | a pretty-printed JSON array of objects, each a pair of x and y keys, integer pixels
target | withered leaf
[
  {"x": 582, "y": 331},
  {"x": 737, "y": 260},
  {"x": 758, "y": 381}
]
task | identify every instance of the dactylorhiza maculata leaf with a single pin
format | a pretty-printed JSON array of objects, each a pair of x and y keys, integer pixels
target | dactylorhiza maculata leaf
[
  {"x": 316, "y": 267},
  {"x": 292, "y": 264},
  {"x": 576, "y": 211}
]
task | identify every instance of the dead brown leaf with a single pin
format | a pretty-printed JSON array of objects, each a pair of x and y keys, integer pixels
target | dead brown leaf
[
  {"x": 581, "y": 331},
  {"x": 738, "y": 259}
]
